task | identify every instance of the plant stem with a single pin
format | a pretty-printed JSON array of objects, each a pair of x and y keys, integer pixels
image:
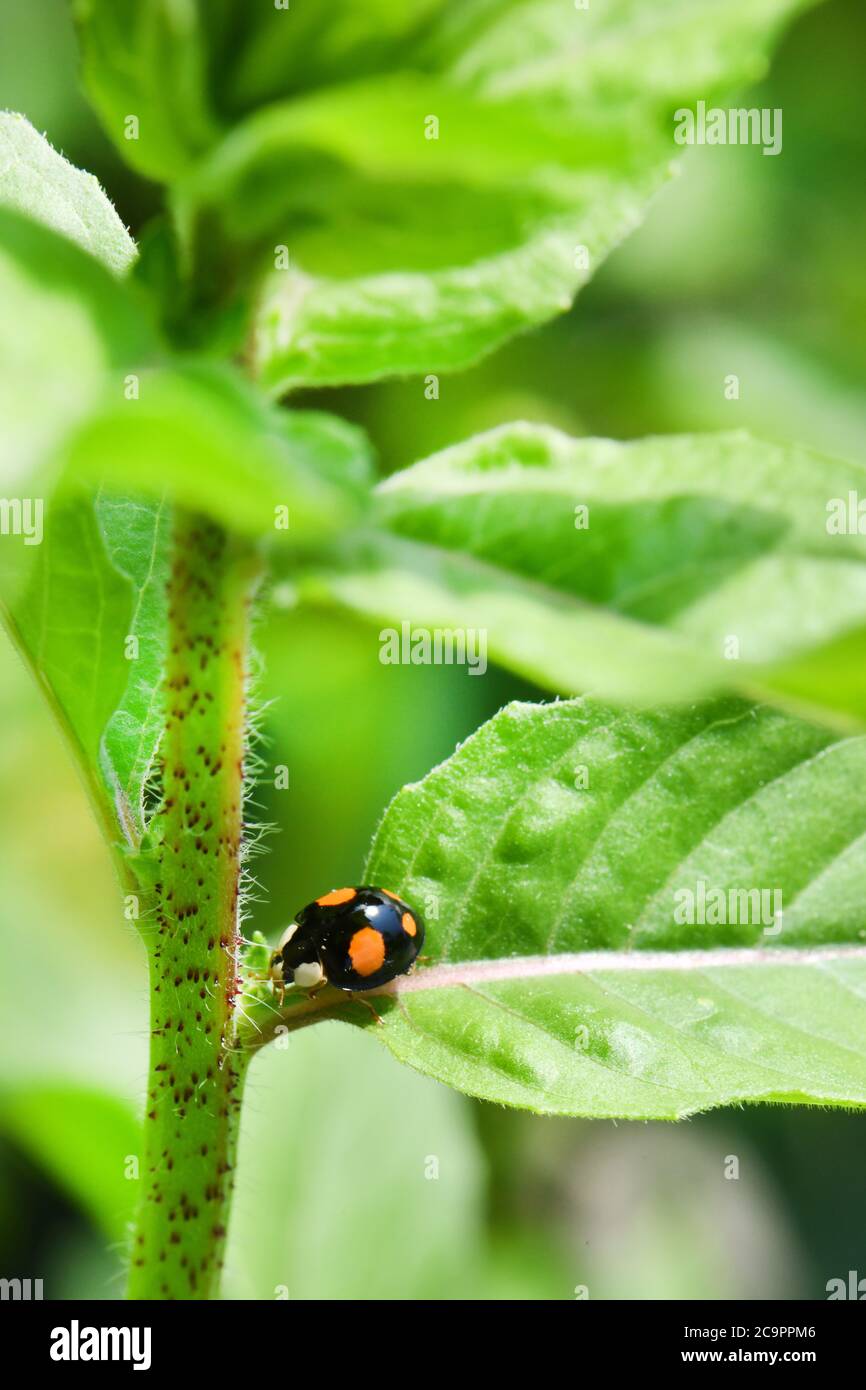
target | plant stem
[{"x": 196, "y": 1071}]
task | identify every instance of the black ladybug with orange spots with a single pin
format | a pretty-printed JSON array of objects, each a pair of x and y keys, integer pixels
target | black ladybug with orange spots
[{"x": 353, "y": 938}]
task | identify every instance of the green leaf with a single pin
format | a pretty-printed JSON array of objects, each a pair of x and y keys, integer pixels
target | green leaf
[
  {"x": 198, "y": 432},
  {"x": 418, "y": 249},
  {"x": 551, "y": 854},
  {"x": 83, "y": 1139},
  {"x": 377, "y": 128},
  {"x": 86, "y": 609},
  {"x": 538, "y": 46},
  {"x": 38, "y": 181},
  {"x": 700, "y": 563},
  {"x": 407, "y": 253},
  {"x": 145, "y": 68},
  {"x": 522, "y": 267},
  {"x": 280, "y": 51},
  {"x": 67, "y": 328}
]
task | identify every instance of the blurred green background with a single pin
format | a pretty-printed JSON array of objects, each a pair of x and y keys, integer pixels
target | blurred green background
[{"x": 358, "y": 1178}]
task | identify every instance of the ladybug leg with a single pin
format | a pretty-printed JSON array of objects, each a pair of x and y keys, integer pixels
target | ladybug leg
[
  {"x": 402, "y": 1007},
  {"x": 367, "y": 1005},
  {"x": 276, "y": 978}
]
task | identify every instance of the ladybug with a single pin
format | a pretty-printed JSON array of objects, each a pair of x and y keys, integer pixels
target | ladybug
[{"x": 353, "y": 938}]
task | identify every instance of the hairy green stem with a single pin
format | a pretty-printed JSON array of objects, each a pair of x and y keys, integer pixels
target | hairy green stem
[{"x": 196, "y": 1069}]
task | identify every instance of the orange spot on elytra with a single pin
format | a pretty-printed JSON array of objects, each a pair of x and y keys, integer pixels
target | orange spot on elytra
[
  {"x": 337, "y": 896},
  {"x": 409, "y": 926},
  {"x": 367, "y": 951}
]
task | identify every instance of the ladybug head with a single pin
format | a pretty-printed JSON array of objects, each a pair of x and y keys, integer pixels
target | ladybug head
[{"x": 296, "y": 959}]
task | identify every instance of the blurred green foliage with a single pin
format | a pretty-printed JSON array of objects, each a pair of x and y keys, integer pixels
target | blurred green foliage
[{"x": 760, "y": 262}]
